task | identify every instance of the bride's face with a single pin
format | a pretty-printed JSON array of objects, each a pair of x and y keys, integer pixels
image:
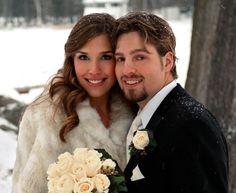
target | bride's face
[{"x": 95, "y": 66}]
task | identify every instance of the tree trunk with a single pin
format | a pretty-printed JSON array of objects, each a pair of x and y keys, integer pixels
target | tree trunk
[
  {"x": 211, "y": 76},
  {"x": 38, "y": 8},
  {"x": 7, "y": 11}
]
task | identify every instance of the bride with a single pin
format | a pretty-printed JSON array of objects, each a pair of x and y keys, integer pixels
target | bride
[{"x": 82, "y": 106}]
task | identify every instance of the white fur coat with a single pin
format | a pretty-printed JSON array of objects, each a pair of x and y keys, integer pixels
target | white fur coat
[{"x": 39, "y": 144}]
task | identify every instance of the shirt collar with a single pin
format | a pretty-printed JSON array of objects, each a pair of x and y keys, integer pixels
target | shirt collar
[{"x": 149, "y": 109}]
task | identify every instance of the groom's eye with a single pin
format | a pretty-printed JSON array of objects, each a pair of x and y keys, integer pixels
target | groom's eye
[
  {"x": 120, "y": 59},
  {"x": 139, "y": 57}
]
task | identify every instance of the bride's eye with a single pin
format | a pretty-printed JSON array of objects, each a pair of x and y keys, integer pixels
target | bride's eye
[
  {"x": 107, "y": 57},
  {"x": 83, "y": 57}
]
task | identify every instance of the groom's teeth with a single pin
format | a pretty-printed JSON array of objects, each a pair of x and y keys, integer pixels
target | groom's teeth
[
  {"x": 132, "y": 81},
  {"x": 95, "y": 81}
]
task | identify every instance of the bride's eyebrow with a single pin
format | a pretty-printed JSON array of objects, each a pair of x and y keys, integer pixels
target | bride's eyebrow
[
  {"x": 80, "y": 52},
  {"x": 107, "y": 52}
]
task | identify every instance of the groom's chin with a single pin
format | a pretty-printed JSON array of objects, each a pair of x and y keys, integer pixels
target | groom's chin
[{"x": 135, "y": 98}]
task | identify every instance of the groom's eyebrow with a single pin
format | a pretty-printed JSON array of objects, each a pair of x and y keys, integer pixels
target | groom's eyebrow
[
  {"x": 133, "y": 52},
  {"x": 118, "y": 54},
  {"x": 139, "y": 50}
]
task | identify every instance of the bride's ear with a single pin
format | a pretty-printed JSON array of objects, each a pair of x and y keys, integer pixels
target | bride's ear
[{"x": 168, "y": 61}]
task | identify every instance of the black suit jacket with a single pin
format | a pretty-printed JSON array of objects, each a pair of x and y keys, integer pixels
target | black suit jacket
[{"x": 191, "y": 155}]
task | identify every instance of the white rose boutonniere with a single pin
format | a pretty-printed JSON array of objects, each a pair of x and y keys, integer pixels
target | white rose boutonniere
[
  {"x": 85, "y": 171},
  {"x": 140, "y": 140},
  {"x": 142, "y": 143}
]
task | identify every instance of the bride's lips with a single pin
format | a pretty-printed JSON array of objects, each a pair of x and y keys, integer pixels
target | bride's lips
[{"x": 95, "y": 82}]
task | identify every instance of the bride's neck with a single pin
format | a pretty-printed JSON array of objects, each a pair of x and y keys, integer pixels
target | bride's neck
[{"x": 102, "y": 106}]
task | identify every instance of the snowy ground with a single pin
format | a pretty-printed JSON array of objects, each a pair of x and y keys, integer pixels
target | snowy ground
[{"x": 30, "y": 56}]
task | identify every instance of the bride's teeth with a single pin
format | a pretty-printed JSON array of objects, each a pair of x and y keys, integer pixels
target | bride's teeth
[
  {"x": 132, "y": 82},
  {"x": 95, "y": 81}
]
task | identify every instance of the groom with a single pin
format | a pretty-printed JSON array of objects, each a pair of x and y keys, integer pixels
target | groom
[{"x": 186, "y": 151}]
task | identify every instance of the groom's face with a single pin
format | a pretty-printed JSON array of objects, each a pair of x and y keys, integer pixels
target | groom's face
[{"x": 140, "y": 70}]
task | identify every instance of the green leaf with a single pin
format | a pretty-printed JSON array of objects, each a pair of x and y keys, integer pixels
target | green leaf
[{"x": 117, "y": 184}]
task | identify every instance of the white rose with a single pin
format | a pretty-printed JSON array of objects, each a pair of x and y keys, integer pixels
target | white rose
[
  {"x": 109, "y": 163},
  {"x": 93, "y": 152},
  {"x": 52, "y": 171},
  {"x": 64, "y": 163},
  {"x": 101, "y": 182},
  {"x": 140, "y": 140},
  {"x": 65, "y": 184},
  {"x": 108, "y": 166},
  {"x": 84, "y": 185},
  {"x": 92, "y": 163},
  {"x": 80, "y": 154},
  {"x": 52, "y": 183},
  {"x": 78, "y": 170}
]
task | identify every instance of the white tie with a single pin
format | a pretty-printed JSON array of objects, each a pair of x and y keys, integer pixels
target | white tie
[{"x": 136, "y": 124}]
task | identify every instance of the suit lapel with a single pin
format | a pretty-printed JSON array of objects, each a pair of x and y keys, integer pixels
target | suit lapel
[
  {"x": 130, "y": 167},
  {"x": 168, "y": 101},
  {"x": 154, "y": 121}
]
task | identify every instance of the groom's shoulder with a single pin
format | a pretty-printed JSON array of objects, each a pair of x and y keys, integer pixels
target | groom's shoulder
[{"x": 184, "y": 105}]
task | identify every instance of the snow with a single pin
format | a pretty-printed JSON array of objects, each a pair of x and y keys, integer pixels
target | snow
[{"x": 30, "y": 56}]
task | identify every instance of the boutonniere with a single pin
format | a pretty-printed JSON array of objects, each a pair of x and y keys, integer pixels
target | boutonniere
[{"x": 142, "y": 143}]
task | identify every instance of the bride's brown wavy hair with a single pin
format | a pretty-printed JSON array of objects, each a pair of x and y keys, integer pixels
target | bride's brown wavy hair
[{"x": 64, "y": 84}]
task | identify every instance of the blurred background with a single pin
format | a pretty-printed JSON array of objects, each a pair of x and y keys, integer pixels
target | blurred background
[
  {"x": 18, "y": 13},
  {"x": 32, "y": 38}
]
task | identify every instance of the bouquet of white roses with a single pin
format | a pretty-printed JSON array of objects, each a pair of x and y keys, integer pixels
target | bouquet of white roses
[{"x": 85, "y": 171}]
